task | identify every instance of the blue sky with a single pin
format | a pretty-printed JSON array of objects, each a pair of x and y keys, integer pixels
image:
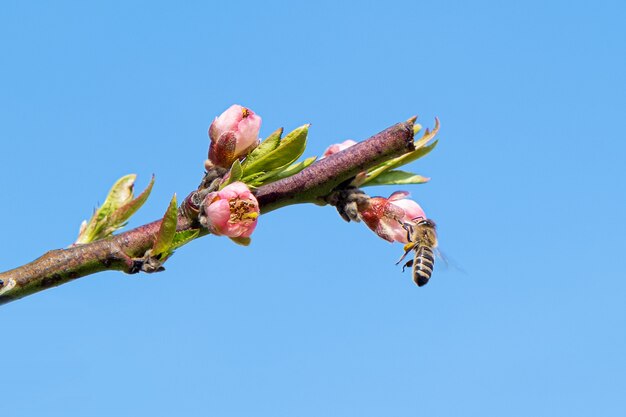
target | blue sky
[{"x": 314, "y": 318}]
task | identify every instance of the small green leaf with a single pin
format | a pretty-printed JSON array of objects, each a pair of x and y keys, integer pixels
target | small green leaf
[
  {"x": 122, "y": 214},
  {"x": 120, "y": 194},
  {"x": 291, "y": 148},
  {"x": 180, "y": 238},
  {"x": 397, "y": 178},
  {"x": 268, "y": 145},
  {"x": 234, "y": 174},
  {"x": 183, "y": 237},
  {"x": 428, "y": 135},
  {"x": 115, "y": 211},
  {"x": 236, "y": 171},
  {"x": 399, "y": 161},
  {"x": 415, "y": 155},
  {"x": 166, "y": 233},
  {"x": 283, "y": 172},
  {"x": 253, "y": 180}
]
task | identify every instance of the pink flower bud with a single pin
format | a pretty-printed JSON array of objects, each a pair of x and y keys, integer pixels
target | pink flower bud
[
  {"x": 233, "y": 134},
  {"x": 338, "y": 147},
  {"x": 385, "y": 216},
  {"x": 232, "y": 211}
]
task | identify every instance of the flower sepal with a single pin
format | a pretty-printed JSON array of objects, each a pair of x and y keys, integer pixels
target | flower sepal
[{"x": 243, "y": 241}]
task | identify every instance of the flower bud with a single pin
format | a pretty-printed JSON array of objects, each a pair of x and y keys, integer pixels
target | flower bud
[
  {"x": 232, "y": 211},
  {"x": 233, "y": 135},
  {"x": 386, "y": 216},
  {"x": 338, "y": 147}
]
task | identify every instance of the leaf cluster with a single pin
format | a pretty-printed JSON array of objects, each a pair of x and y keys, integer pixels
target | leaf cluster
[
  {"x": 274, "y": 159},
  {"x": 114, "y": 213}
]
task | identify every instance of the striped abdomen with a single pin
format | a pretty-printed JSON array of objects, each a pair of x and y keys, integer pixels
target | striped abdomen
[{"x": 423, "y": 264}]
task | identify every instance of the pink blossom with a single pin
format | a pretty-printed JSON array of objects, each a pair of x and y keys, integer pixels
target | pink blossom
[
  {"x": 233, "y": 135},
  {"x": 232, "y": 211},
  {"x": 385, "y": 216},
  {"x": 338, "y": 147}
]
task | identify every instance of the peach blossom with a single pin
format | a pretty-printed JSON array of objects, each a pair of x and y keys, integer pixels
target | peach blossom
[
  {"x": 386, "y": 216},
  {"x": 232, "y": 211}
]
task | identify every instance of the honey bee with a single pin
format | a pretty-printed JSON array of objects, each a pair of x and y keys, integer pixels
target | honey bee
[{"x": 422, "y": 238}]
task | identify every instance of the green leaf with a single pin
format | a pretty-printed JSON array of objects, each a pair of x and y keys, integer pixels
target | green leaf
[
  {"x": 252, "y": 180},
  {"x": 183, "y": 237},
  {"x": 122, "y": 214},
  {"x": 234, "y": 175},
  {"x": 268, "y": 145},
  {"x": 293, "y": 169},
  {"x": 397, "y": 178},
  {"x": 290, "y": 149},
  {"x": 235, "y": 171},
  {"x": 121, "y": 192},
  {"x": 413, "y": 156},
  {"x": 118, "y": 207},
  {"x": 399, "y": 161},
  {"x": 428, "y": 135},
  {"x": 281, "y": 173},
  {"x": 166, "y": 233}
]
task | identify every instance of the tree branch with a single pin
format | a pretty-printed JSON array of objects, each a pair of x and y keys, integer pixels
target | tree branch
[{"x": 122, "y": 252}]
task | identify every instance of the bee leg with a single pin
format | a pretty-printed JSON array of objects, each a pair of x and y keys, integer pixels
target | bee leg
[
  {"x": 407, "y": 265},
  {"x": 407, "y": 249},
  {"x": 409, "y": 231}
]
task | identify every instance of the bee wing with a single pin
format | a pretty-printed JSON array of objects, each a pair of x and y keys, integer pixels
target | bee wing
[{"x": 449, "y": 263}]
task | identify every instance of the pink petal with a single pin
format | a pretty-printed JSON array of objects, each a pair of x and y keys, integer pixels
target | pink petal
[
  {"x": 218, "y": 215},
  {"x": 412, "y": 210},
  {"x": 248, "y": 229},
  {"x": 398, "y": 195},
  {"x": 248, "y": 132},
  {"x": 229, "y": 119},
  {"x": 338, "y": 147},
  {"x": 236, "y": 189}
]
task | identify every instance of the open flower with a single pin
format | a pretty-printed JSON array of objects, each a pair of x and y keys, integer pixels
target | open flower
[
  {"x": 385, "y": 216},
  {"x": 338, "y": 147},
  {"x": 233, "y": 134},
  {"x": 232, "y": 211}
]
